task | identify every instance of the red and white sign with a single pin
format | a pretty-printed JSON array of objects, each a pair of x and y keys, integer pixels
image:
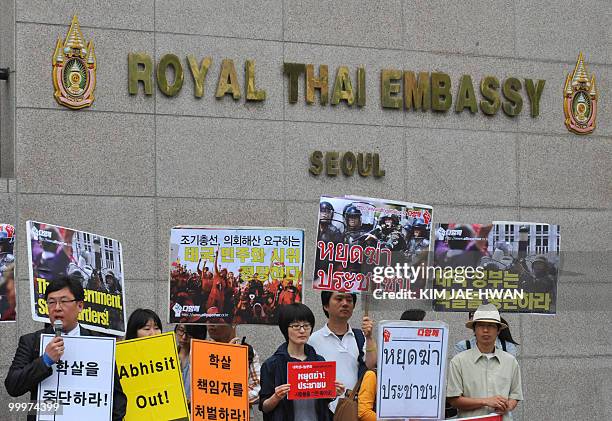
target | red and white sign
[
  {"x": 428, "y": 332},
  {"x": 312, "y": 380}
]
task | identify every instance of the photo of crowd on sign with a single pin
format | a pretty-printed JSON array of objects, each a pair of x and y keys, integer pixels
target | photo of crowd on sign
[
  {"x": 234, "y": 275},
  {"x": 8, "y": 297},
  {"x": 517, "y": 266},
  {"x": 94, "y": 260},
  {"x": 355, "y": 234}
]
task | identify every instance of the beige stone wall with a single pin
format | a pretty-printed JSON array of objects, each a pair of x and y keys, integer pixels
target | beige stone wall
[{"x": 131, "y": 167}]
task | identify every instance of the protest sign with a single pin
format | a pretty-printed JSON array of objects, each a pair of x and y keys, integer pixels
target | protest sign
[
  {"x": 356, "y": 234},
  {"x": 8, "y": 297},
  {"x": 237, "y": 275},
  {"x": 150, "y": 374},
  {"x": 311, "y": 380},
  {"x": 96, "y": 261},
  {"x": 219, "y": 381},
  {"x": 411, "y": 369},
  {"x": 518, "y": 266},
  {"x": 458, "y": 252},
  {"x": 82, "y": 381}
]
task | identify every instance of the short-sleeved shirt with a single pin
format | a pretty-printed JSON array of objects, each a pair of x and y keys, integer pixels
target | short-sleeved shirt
[
  {"x": 343, "y": 351},
  {"x": 472, "y": 374}
]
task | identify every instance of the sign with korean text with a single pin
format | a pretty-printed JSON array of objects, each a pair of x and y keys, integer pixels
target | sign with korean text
[
  {"x": 411, "y": 369},
  {"x": 150, "y": 374},
  {"x": 238, "y": 275},
  {"x": 311, "y": 379},
  {"x": 513, "y": 265},
  {"x": 219, "y": 381},
  {"x": 94, "y": 260},
  {"x": 82, "y": 381}
]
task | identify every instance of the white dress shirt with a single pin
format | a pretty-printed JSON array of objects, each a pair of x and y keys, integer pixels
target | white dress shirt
[{"x": 343, "y": 351}]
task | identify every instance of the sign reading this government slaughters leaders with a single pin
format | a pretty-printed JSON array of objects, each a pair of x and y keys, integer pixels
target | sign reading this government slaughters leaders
[{"x": 93, "y": 260}]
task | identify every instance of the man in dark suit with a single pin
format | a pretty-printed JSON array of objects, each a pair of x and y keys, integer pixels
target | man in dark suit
[{"x": 64, "y": 298}]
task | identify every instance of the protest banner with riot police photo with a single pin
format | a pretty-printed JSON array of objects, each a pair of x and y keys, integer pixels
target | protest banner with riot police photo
[
  {"x": 516, "y": 266},
  {"x": 8, "y": 296},
  {"x": 236, "y": 275},
  {"x": 94, "y": 260},
  {"x": 356, "y": 234}
]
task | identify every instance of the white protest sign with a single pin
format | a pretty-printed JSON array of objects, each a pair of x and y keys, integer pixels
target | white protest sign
[
  {"x": 411, "y": 369},
  {"x": 82, "y": 381}
]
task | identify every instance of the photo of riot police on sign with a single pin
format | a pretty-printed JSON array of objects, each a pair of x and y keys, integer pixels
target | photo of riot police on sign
[
  {"x": 354, "y": 234},
  {"x": 515, "y": 266},
  {"x": 529, "y": 252}
]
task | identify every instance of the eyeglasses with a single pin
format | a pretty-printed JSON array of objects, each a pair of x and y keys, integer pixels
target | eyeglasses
[
  {"x": 300, "y": 326},
  {"x": 62, "y": 302},
  {"x": 181, "y": 331}
]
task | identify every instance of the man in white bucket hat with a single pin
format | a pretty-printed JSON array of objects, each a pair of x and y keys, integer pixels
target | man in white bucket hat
[{"x": 484, "y": 379}]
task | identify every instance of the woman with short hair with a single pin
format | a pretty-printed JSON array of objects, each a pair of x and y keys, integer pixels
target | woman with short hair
[
  {"x": 143, "y": 322},
  {"x": 296, "y": 323}
]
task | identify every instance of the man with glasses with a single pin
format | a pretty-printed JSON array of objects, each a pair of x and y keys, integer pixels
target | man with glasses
[
  {"x": 484, "y": 379},
  {"x": 64, "y": 297},
  {"x": 354, "y": 350}
]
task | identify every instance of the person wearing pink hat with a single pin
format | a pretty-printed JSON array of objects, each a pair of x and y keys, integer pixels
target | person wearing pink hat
[{"x": 484, "y": 379}]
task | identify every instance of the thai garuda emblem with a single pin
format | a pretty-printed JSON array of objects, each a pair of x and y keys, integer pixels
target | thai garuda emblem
[
  {"x": 74, "y": 69},
  {"x": 580, "y": 99}
]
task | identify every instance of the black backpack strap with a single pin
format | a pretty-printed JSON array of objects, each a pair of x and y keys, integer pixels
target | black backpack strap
[
  {"x": 468, "y": 345},
  {"x": 360, "y": 338},
  {"x": 503, "y": 344}
]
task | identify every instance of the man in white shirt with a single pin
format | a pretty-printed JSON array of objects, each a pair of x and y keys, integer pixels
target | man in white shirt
[{"x": 353, "y": 350}]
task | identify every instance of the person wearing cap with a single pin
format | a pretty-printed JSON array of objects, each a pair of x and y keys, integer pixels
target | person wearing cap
[
  {"x": 504, "y": 341},
  {"x": 484, "y": 379}
]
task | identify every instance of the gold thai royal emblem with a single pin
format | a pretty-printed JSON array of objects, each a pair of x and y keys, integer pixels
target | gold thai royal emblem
[
  {"x": 74, "y": 69},
  {"x": 580, "y": 100}
]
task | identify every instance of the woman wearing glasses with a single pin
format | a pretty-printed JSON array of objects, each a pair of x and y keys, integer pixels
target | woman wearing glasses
[
  {"x": 296, "y": 322},
  {"x": 184, "y": 333}
]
